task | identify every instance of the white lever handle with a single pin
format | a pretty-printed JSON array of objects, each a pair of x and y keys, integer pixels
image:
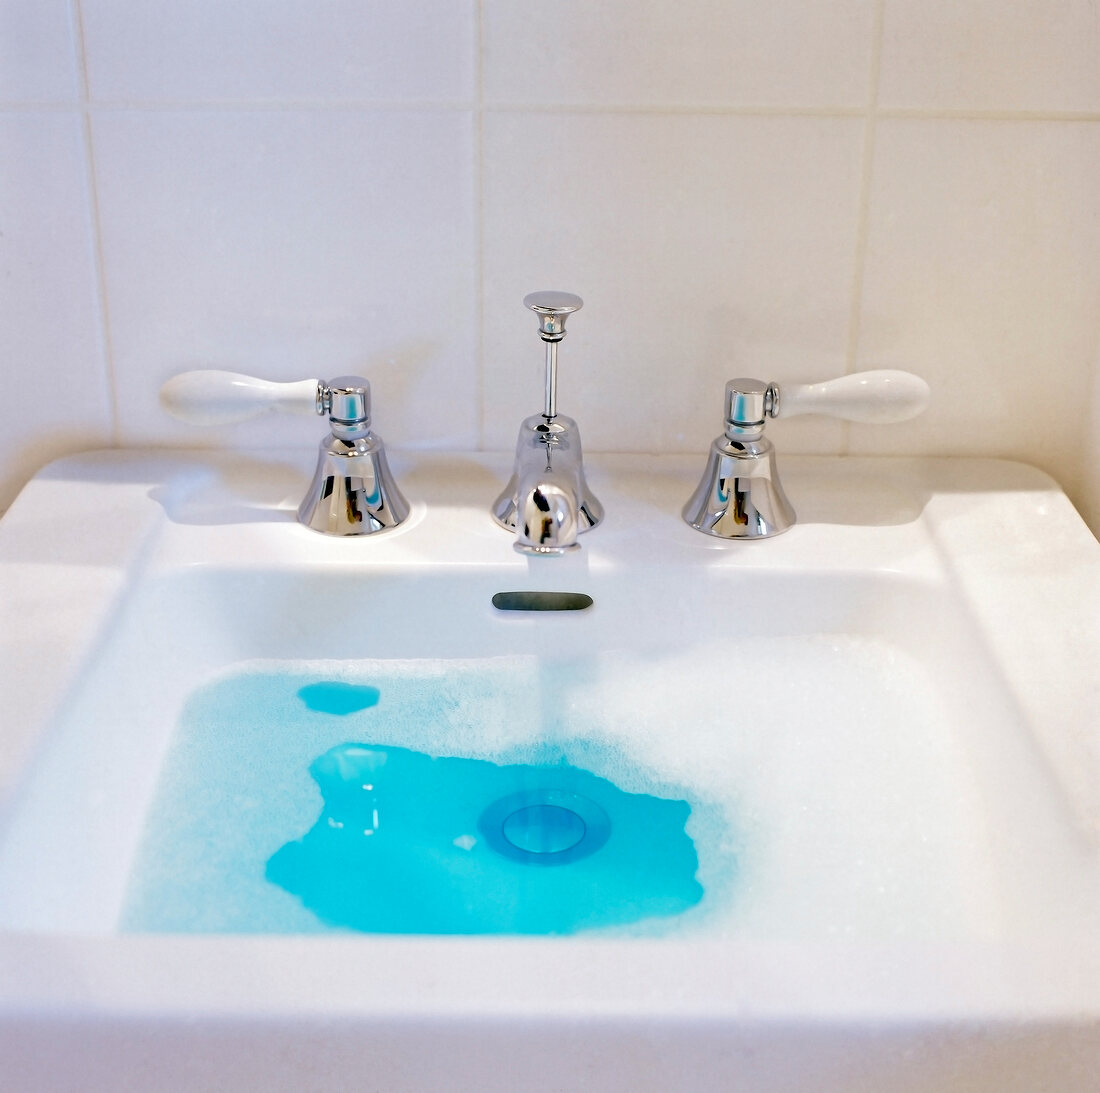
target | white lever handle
[
  {"x": 211, "y": 397},
  {"x": 877, "y": 398}
]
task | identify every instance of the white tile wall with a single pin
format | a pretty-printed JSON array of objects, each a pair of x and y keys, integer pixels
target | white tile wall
[
  {"x": 982, "y": 272},
  {"x": 293, "y": 244},
  {"x": 1089, "y": 494},
  {"x": 1030, "y": 55},
  {"x": 792, "y": 189},
  {"x": 705, "y": 246},
  {"x": 55, "y": 393},
  {"x": 787, "y": 53},
  {"x": 37, "y": 62},
  {"x": 279, "y": 50}
]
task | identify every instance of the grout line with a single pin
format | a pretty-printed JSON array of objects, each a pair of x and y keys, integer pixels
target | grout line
[
  {"x": 679, "y": 109},
  {"x": 797, "y": 111},
  {"x": 39, "y": 106},
  {"x": 77, "y": 17},
  {"x": 859, "y": 269},
  {"x": 479, "y": 222},
  {"x": 260, "y": 106},
  {"x": 245, "y": 106},
  {"x": 947, "y": 114}
]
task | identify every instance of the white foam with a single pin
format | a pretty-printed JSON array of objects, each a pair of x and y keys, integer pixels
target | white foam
[{"x": 820, "y": 768}]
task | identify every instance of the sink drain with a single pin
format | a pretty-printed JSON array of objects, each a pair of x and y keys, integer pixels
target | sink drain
[{"x": 545, "y": 826}]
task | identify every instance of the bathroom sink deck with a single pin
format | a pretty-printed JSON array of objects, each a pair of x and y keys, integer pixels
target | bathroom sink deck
[{"x": 888, "y": 714}]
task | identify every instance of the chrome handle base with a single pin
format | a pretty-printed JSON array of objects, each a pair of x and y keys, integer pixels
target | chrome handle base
[
  {"x": 353, "y": 491},
  {"x": 740, "y": 495}
]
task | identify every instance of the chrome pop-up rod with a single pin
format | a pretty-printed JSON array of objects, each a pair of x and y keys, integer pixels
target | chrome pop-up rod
[
  {"x": 552, "y": 308},
  {"x": 547, "y": 502}
]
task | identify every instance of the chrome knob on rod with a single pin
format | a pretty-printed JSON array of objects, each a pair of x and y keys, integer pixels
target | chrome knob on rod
[
  {"x": 552, "y": 308},
  {"x": 547, "y": 502}
]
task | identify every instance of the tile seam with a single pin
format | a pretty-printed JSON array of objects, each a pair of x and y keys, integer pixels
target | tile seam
[
  {"x": 479, "y": 220},
  {"x": 76, "y": 15},
  {"x": 859, "y": 267},
  {"x": 32, "y": 106}
]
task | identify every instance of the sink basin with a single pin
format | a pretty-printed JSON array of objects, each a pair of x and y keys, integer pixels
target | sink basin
[{"x": 881, "y": 728}]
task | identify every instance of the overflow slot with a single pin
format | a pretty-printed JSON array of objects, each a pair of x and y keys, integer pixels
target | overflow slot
[{"x": 541, "y": 601}]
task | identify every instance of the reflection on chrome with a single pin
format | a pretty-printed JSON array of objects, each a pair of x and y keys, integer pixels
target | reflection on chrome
[{"x": 547, "y": 501}]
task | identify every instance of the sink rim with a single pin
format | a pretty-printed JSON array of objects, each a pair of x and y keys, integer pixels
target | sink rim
[{"x": 977, "y": 524}]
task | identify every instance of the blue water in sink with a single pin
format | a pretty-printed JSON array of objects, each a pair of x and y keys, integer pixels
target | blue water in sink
[
  {"x": 410, "y": 843},
  {"x": 284, "y": 806}
]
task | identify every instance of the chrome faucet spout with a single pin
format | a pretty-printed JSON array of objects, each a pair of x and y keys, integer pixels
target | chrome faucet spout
[{"x": 547, "y": 502}]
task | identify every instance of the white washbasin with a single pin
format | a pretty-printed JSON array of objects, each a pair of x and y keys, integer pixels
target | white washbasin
[{"x": 889, "y": 714}]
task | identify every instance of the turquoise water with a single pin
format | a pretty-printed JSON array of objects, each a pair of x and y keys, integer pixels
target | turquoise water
[
  {"x": 339, "y": 698},
  {"x": 290, "y": 804}
]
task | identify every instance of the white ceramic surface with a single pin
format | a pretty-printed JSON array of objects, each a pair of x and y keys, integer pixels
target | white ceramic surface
[
  {"x": 707, "y": 53},
  {"x": 983, "y": 244},
  {"x": 37, "y": 57},
  {"x": 987, "y": 55},
  {"x": 355, "y": 261},
  {"x": 254, "y": 51},
  {"x": 50, "y": 333},
  {"x": 765, "y": 207},
  {"x": 793, "y": 188},
  {"x": 896, "y": 699}
]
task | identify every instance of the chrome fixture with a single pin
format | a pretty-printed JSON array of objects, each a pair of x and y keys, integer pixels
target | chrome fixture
[
  {"x": 353, "y": 491},
  {"x": 740, "y": 495},
  {"x": 547, "y": 502}
]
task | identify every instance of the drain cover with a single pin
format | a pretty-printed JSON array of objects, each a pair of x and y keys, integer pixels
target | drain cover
[
  {"x": 545, "y": 826},
  {"x": 543, "y": 829}
]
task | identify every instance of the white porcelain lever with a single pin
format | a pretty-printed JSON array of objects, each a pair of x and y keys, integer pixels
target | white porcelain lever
[
  {"x": 212, "y": 397},
  {"x": 878, "y": 397},
  {"x": 740, "y": 495},
  {"x": 353, "y": 491}
]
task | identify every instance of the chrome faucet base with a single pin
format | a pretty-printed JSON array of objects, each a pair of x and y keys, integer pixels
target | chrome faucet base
[
  {"x": 740, "y": 495},
  {"x": 547, "y": 502},
  {"x": 353, "y": 491}
]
